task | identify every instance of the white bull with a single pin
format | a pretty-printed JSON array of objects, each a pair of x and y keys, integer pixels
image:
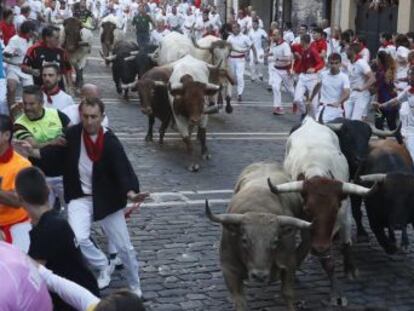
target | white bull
[
  {"x": 314, "y": 159},
  {"x": 189, "y": 84}
]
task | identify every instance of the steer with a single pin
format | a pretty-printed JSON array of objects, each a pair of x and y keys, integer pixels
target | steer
[
  {"x": 354, "y": 136},
  {"x": 77, "y": 42},
  {"x": 390, "y": 165},
  {"x": 259, "y": 230},
  {"x": 123, "y": 73},
  {"x": 110, "y": 34},
  {"x": 314, "y": 159},
  {"x": 153, "y": 93},
  {"x": 188, "y": 86}
]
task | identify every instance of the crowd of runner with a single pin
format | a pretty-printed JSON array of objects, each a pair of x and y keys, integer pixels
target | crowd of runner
[{"x": 328, "y": 72}]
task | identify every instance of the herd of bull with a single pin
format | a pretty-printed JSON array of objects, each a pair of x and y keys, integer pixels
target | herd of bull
[{"x": 324, "y": 164}]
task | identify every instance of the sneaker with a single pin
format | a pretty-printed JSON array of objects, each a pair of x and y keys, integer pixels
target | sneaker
[
  {"x": 137, "y": 291},
  {"x": 104, "y": 277},
  {"x": 239, "y": 98},
  {"x": 278, "y": 111},
  {"x": 116, "y": 261}
]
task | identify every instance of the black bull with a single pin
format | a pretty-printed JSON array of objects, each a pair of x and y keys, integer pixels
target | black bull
[{"x": 128, "y": 62}]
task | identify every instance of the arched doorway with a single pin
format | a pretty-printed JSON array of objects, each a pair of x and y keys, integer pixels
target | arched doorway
[{"x": 370, "y": 23}]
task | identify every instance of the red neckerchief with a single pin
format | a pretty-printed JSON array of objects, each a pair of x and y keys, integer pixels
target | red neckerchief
[
  {"x": 357, "y": 57},
  {"x": 24, "y": 36},
  {"x": 280, "y": 42},
  {"x": 7, "y": 155},
  {"x": 386, "y": 44},
  {"x": 50, "y": 93},
  {"x": 94, "y": 149}
]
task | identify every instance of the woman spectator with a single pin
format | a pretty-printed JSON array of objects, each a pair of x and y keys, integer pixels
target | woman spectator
[
  {"x": 385, "y": 90},
  {"x": 7, "y": 27}
]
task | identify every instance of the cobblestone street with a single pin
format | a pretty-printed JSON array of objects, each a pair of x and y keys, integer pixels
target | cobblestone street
[{"x": 178, "y": 246}]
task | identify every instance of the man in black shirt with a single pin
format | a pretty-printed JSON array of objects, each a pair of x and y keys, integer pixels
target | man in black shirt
[
  {"x": 44, "y": 51},
  {"x": 52, "y": 241}
]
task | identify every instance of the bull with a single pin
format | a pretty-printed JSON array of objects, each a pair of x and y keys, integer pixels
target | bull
[
  {"x": 77, "y": 41},
  {"x": 128, "y": 64},
  {"x": 210, "y": 49},
  {"x": 188, "y": 87},
  {"x": 110, "y": 34},
  {"x": 354, "y": 136},
  {"x": 153, "y": 93},
  {"x": 390, "y": 166},
  {"x": 259, "y": 230},
  {"x": 315, "y": 161}
]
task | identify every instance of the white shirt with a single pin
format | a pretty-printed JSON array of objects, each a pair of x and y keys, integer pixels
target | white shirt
[
  {"x": 256, "y": 37},
  {"x": 357, "y": 72},
  {"x": 390, "y": 49},
  {"x": 289, "y": 36},
  {"x": 281, "y": 54},
  {"x": 333, "y": 86},
  {"x": 156, "y": 36},
  {"x": 215, "y": 20},
  {"x": 18, "y": 20},
  {"x": 402, "y": 73},
  {"x": 60, "y": 100},
  {"x": 407, "y": 112},
  {"x": 365, "y": 54},
  {"x": 19, "y": 45},
  {"x": 175, "y": 21},
  {"x": 239, "y": 42},
  {"x": 244, "y": 23}
]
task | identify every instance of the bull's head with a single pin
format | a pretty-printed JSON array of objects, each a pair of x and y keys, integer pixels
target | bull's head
[
  {"x": 322, "y": 198},
  {"x": 397, "y": 191},
  {"x": 259, "y": 236},
  {"x": 354, "y": 139},
  {"x": 189, "y": 97},
  {"x": 146, "y": 90},
  {"x": 73, "y": 40},
  {"x": 107, "y": 37}
]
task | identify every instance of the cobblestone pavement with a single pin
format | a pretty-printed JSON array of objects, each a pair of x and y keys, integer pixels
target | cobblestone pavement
[{"x": 178, "y": 246}]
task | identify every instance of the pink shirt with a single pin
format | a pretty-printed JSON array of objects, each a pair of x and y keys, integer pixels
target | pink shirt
[{"x": 21, "y": 285}]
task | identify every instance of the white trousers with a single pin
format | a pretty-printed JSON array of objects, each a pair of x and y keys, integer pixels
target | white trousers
[
  {"x": 254, "y": 69},
  {"x": 329, "y": 113},
  {"x": 357, "y": 105},
  {"x": 80, "y": 217},
  {"x": 278, "y": 78},
  {"x": 237, "y": 67},
  {"x": 20, "y": 235},
  {"x": 306, "y": 84}
]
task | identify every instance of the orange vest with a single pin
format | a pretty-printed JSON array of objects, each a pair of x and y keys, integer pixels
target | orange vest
[{"x": 8, "y": 171}]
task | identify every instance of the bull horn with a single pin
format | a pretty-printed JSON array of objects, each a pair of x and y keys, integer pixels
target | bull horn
[
  {"x": 294, "y": 222},
  {"x": 382, "y": 133},
  {"x": 350, "y": 188},
  {"x": 135, "y": 53},
  {"x": 160, "y": 83},
  {"x": 128, "y": 86},
  {"x": 176, "y": 86},
  {"x": 334, "y": 126},
  {"x": 199, "y": 47},
  {"x": 293, "y": 186},
  {"x": 212, "y": 87},
  {"x": 225, "y": 219},
  {"x": 239, "y": 51},
  {"x": 373, "y": 177},
  {"x": 129, "y": 58}
]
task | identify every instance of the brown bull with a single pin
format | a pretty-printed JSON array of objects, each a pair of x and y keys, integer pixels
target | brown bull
[{"x": 259, "y": 230}]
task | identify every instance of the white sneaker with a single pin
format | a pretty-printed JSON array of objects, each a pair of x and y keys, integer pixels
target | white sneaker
[
  {"x": 137, "y": 291},
  {"x": 104, "y": 277}
]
